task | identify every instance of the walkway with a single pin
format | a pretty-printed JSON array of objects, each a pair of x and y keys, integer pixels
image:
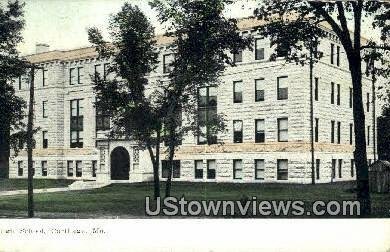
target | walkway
[
  {"x": 76, "y": 186},
  {"x": 45, "y": 190}
]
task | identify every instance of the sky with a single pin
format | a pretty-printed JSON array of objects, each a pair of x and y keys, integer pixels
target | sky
[{"x": 63, "y": 24}]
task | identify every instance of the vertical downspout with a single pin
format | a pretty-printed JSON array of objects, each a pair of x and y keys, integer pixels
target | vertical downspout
[{"x": 313, "y": 181}]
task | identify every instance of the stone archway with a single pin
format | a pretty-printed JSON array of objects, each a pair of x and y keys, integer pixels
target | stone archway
[{"x": 120, "y": 164}]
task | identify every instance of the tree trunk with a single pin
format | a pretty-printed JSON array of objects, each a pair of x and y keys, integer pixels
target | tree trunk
[
  {"x": 170, "y": 168},
  {"x": 30, "y": 205},
  {"x": 171, "y": 155},
  {"x": 156, "y": 166},
  {"x": 360, "y": 154}
]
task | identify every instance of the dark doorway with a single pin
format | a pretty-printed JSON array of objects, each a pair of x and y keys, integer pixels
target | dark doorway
[{"x": 120, "y": 164}]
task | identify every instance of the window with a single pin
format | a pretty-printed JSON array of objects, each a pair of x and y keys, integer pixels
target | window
[
  {"x": 237, "y": 57},
  {"x": 20, "y": 168},
  {"x": 79, "y": 75},
  {"x": 20, "y": 143},
  {"x": 368, "y": 135},
  {"x": 259, "y": 169},
  {"x": 282, "y": 169},
  {"x": 352, "y": 168},
  {"x": 350, "y": 97},
  {"x": 20, "y": 83},
  {"x": 26, "y": 80},
  {"x": 338, "y": 94},
  {"x": 72, "y": 76},
  {"x": 281, "y": 50},
  {"x": 316, "y": 130},
  {"x": 237, "y": 169},
  {"x": 76, "y": 124},
  {"x": 338, "y": 56},
  {"x": 211, "y": 169},
  {"x": 334, "y": 161},
  {"x": 237, "y": 131},
  {"x": 198, "y": 169},
  {"x": 237, "y": 91},
  {"x": 44, "y": 77},
  {"x": 283, "y": 129},
  {"x": 97, "y": 71},
  {"x": 70, "y": 168},
  {"x": 106, "y": 70},
  {"x": 44, "y": 168},
  {"x": 207, "y": 115},
  {"x": 368, "y": 102},
  {"x": 259, "y": 89},
  {"x": 45, "y": 141},
  {"x": 340, "y": 168},
  {"x": 79, "y": 168},
  {"x": 260, "y": 131},
  {"x": 167, "y": 63},
  {"x": 94, "y": 168},
  {"x": 259, "y": 51},
  {"x": 350, "y": 133},
  {"x": 332, "y": 93},
  {"x": 164, "y": 168},
  {"x": 102, "y": 120},
  {"x": 318, "y": 163},
  {"x": 175, "y": 168},
  {"x": 44, "y": 112},
  {"x": 332, "y": 53},
  {"x": 369, "y": 162},
  {"x": 338, "y": 132},
  {"x": 332, "y": 131},
  {"x": 282, "y": 88},
  {"x": 316, "y": 83}
]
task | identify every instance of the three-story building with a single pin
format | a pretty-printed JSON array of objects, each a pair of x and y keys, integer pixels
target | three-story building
[{"x": 267, "y": 106}]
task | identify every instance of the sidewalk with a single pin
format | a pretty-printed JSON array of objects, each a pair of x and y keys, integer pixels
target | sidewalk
[
  {"x": 7, "y": 214},
  {"x": 44, "y": 190},
  {"x": 76, "y": 186}
]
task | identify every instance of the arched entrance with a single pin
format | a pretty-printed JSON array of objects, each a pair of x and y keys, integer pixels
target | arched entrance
[{"x": 120, "y": 164}]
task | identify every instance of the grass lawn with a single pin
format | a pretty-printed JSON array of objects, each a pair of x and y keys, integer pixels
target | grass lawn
[
  {"x": 129, "y": 199},
  {"x": 21, "y": 184}
]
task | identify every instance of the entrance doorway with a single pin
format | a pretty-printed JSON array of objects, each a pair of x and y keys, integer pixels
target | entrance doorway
[{"x": 120, "y": 164}]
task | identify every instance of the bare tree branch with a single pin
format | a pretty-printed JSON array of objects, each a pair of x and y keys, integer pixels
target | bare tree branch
[
  {"x": 358, "y": 8},
  {"x": 382, "y": 47},
  {"x": 343, "y": 20},
  {"x": 344, "y": 37}
]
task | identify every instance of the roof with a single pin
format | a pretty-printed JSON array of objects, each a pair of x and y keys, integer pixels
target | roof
[
  {"x": 90, "y": 52},
  {"x": 80, "y": 53},
  {"x": 380, "y": 165}
]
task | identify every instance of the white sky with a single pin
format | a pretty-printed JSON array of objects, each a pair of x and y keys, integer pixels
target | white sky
[{"x": 63, "y": 23}]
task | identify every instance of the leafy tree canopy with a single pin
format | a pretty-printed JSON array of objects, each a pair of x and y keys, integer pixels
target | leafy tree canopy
[
  {"x": 133, "y": 54},
  {"x": 11, "y": 67}
]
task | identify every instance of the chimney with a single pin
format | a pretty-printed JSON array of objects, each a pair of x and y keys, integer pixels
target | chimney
[{"x": 41, "y": 48}]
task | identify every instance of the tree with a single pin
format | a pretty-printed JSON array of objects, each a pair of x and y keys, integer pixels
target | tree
[
  {"x": 292, "y": 21},
  {"x": 11, "y": 67},
  {"x": 202, "y": 40},
  {"x": 30, "y": 145},
  {"x": 135, "y": 115}
]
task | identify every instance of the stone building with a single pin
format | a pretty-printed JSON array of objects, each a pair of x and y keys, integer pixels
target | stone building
[{"x": 266, "y": 105}]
